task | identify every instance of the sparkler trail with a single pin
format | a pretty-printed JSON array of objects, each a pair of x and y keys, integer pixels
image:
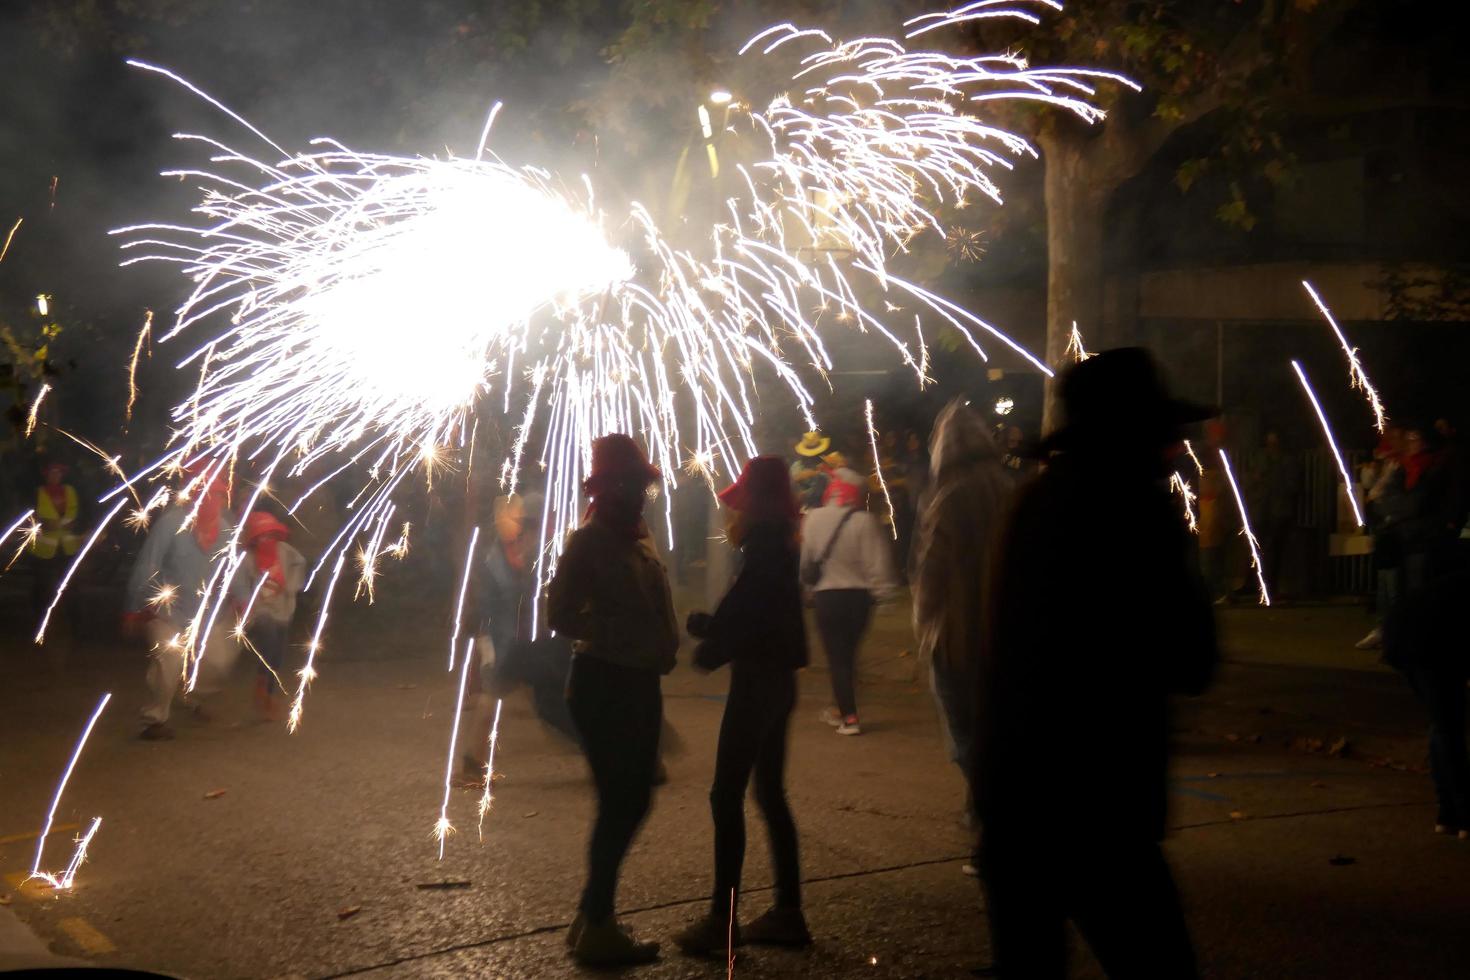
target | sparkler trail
[
  {"x": 13, "y": 229},
  {"x": 64, "y": 880},
  {"x": 1198, "y": 466},
  {"x": 133, "y": 365},
  {"x": 486, "y": 799},
  {"x": 75, "y": 564},
  {"x": 1075, "y": 350},
  {"x": 878, "y": 465},
  {"x": 1347, "y": 480},
  {"x": 308, "y": 271},
  {"x": 1356, "y": 375},
  {"x": 1245, "y": 528},
  {"x": 35, "y": 409},
  {"x": 442, "y": 827},
  {"x": 1188, "y": 497},
  {"x": 464, "y": 585}
]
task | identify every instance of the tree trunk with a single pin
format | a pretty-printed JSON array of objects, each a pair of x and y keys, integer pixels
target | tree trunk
[{"x": 1075, "y": 206}]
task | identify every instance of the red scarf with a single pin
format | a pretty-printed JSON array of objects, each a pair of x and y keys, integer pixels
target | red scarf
[{"x": 58, "y": 498}]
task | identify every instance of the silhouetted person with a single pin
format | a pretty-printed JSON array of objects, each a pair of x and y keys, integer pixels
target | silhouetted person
[
  {"x": 759, "y": 631},
  {"x": 1272, "y": 486},
  {"x": 1096, "y": 615},
  {"x": 1424, "y": 631},
  {"x": 958, "y": 528},
  {"x": 611, "y": 594}
]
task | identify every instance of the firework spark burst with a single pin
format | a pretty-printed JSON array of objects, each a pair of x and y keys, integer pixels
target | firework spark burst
[
  {"x": 308, "y": 272},
  {"x": 486, "y": 798}
]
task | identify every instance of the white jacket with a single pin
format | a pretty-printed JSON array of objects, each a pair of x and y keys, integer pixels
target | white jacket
[{"x": 861, "y": 556}]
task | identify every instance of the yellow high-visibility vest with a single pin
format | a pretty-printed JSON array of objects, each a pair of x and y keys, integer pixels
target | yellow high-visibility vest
[{"x": 56, "y": 530}]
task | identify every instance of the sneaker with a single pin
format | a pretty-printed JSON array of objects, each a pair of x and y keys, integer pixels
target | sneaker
[
  {"x": 707, "y": 936},
  {"x": 1372, "y": 641},
  {"x": 832, "y": 717},
  {"x": 778, "y": 927},
  {"x": 157, "y": 732},
  {"x": 969, "y": 870},
  {"x": 604, "y": 944},
  {"x": 850, "y": 726}
]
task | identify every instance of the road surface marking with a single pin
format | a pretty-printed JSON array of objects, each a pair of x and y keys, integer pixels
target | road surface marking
[
  {"x": 92, "y": 942},
  {"x": 60, "y": 828}
]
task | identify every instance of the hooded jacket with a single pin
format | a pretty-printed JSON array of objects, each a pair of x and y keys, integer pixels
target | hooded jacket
[{"x": 970, "y": 492}]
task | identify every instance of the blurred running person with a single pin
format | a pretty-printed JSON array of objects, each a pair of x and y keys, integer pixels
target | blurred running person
[{"x": 276, "y": 573}]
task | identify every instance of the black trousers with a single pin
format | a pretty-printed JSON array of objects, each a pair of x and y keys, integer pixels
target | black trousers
[
  {"x": 618, "y": 712},
  {"x": 1118, "y": 892},
  {"x": 1441, "y": 689},
  {"x": 753, "y": 741},
  {"x": 842, "y": 619}
]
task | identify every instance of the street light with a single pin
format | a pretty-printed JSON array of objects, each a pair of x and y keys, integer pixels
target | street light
[{"x": 720, "y": 97}]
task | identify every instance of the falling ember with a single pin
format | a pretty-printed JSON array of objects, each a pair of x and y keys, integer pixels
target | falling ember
[
  {"x": 35, "y": 409},
  {"x": 13, "y": 229},
  {"x": 54, "y": 182},
  {"x": 1198, "y": 466},
  {"x": 1075, "y": 350},
  {"x": 442, "y": 827},
  {"x": 26, "y": 540},
  {"x": 1347, "y": 480},
  {"x": 1356, "y": 375},
  {"x": 965, "y": 244},
  {"x": 464, "y": 585},
  {"x": 486, "y": 799},
  {"x": 1187, "y": 497},
  {"x": 72, "y": 568},
  {"x": 64, "y": 880},
  {"x": 133, "y": 364},
  {"x": 43, "y": 304},
  {"x": 878, "y": 466},
  {"x": 1245, "y": 529}
]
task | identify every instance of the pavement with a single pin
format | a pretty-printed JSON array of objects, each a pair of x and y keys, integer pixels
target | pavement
[{"x": 1301, "y": 821}]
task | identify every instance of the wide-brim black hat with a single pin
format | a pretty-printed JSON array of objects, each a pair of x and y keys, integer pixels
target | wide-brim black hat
[{"x": 1118, "y": 393}]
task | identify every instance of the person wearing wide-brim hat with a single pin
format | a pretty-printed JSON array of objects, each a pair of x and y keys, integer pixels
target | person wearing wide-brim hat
[
  {"x": 759, "y": 631},
  {"x": 1097, "y": 615},
  {"x": 807, "y": 474},
  {"x": 611, "y": 595}
]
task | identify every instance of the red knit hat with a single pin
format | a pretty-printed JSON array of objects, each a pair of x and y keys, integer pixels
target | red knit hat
[
  {"x": 763, "y": 491},
  {"x": 618, "y": 460},
  {"x": 261, "y": 523}
]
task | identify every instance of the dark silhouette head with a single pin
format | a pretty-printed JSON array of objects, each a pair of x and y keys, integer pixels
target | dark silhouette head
[{"x": 1117, "y": 402}]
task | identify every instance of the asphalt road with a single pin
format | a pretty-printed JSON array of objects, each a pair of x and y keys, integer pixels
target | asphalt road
[{"x": 240, "y": 851}]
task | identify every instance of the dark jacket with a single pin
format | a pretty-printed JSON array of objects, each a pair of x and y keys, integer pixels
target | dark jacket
[
  {"x": 1096, "y": 615},
  {"x": 759, "y": 622},
  {"x": 611, "y": 594},
  {"x": 504, "y": 598}
]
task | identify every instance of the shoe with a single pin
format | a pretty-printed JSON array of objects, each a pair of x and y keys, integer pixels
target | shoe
[
  {"x": 850, "y": 726},
  {"x": 574, "y": 931},
  {"x": 265, "y": 700},
  {"x": 707, "y": 936},
  {"x": 778, "y": 927},
  {"x": 604, "y": 944},
  {"x": 832, "y": 717},
  {"x": 157, "y": 732},
  {"x": 1372, "y": 641},
  {"x": 969, "y": 870}
]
